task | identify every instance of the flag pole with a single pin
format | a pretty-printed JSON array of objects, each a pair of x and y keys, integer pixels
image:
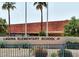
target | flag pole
[
  {"x": 26, "y": 19},
  {"x": 47, "y": 21}
]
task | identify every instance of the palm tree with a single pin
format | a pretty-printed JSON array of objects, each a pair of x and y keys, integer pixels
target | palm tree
[
  {"x": 8, "y": 6},
  {"x": 39, "y": 6}
]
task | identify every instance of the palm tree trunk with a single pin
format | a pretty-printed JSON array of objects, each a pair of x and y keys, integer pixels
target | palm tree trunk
[
  {"x": 9, "y": 20},
  {"x": 41, "y": 20}
]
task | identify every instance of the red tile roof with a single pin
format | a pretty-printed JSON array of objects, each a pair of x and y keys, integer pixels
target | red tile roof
[{"x": 53, "y": 26}]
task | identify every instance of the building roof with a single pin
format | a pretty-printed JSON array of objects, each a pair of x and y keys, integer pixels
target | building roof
[{"x": 53, "y": 27}]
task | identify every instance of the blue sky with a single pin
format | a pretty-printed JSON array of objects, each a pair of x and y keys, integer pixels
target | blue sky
[
  {"x": 33, "y": 15},
  {"x": 66, "y": 10},
  {"x": 57, "y": 11}
]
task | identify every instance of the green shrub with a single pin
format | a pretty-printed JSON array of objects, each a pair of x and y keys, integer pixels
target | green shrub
[
  {"x": 26, "y": 45},
  {"x": 64, "y": 53},
  {"x": 2, "y": 44},
  {"x": 3, "y": 34},
  {"x": 72, "y": 45},
  {"x": 23, "y": 45},
  {"x": 15, "y": 46},
  {"x": 54, "y": 54},
  {"x": 42, "y": 34},
  {"x": 39, "y": 52}
]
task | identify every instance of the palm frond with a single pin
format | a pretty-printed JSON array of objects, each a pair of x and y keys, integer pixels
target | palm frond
[
  {"x": 8, "y": 5},
  {"x": 45, "y": 4},
  {"x": 4, "y": 6},
  {"x": 35, "y": 3},
  {"x": 13, "y": 7},
  {"x": 39, "y": 4},
  {"x": 39, "y": 7}
]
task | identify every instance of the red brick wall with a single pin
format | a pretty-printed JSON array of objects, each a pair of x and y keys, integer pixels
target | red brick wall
[{"x": 35, "y": 27}]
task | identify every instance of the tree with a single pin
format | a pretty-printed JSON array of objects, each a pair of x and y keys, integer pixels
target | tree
[
  {"x": 72, "y": 28},
  {"x": 3, "y": 26},
  {"x": 8, "y": 6},
  {"x": 39, "y": 6}
]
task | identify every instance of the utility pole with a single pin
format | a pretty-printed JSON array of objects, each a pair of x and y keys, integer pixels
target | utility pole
[
  {"x": 26, "y": 19},
  {"x": 47, "y": 21}
]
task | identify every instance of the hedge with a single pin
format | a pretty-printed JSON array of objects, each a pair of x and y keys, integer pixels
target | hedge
[
  {"x": 72, "y": 45},
  {"x": 64, "y": 53}
]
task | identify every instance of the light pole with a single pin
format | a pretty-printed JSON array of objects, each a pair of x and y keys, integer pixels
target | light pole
[
  {"x": 26, "y": 19},
  {"x": 47, "y": 21}
]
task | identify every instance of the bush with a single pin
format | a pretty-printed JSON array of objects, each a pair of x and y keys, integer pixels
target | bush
[
  {"x": 23, "y": 45},
  {"x": 39, "y": 52},
  {"x": 20, "y": 45},
  {"x": 2, "y": 44},
  {"x": 54, "y": 54},
  {"x": 64, "y": 53},
  {"x": 42, "y": 34},
  {"x": 72, "y": 45},
  {"x": 26, "y": 45},
  {"x": 15, "y": 46}
]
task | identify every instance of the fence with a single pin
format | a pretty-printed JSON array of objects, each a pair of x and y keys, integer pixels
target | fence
[{"x": 25, "y": 46}]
